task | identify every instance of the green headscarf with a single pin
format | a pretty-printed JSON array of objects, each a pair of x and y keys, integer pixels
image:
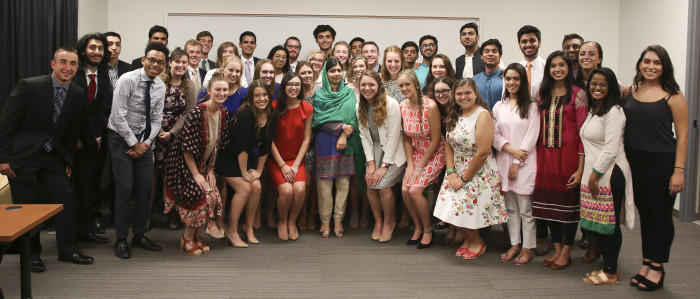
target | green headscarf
[{"x": 330, "y": 106}]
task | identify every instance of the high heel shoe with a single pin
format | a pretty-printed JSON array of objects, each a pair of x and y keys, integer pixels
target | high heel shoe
[
  {"x": 200, "y": 243},
  {"x": 634, "y": 281},
  {"x": 650, "y": 285},
  {"x": 388, "y": 238},
  {"x": 190, "y": 247},
  {"x": 470, "y": 255},
  {"x": 229, "y": 240},
  {"x": 218, "y": 236},
  {"x": 424, "y": 246}
]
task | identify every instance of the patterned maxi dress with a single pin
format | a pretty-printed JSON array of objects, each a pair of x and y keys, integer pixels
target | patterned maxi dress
[
  {"x": 201, "y": 136},
  {"x": 420, "y": 140},
  {"x": 480, "y": 202}
]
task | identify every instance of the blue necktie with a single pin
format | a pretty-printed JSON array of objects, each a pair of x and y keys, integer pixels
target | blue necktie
[
  {"x": 147, "y": 99},
  {"x": 58, "y": 99}
]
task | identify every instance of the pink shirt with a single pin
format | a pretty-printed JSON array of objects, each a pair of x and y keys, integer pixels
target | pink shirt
[{"x": 519, "y": 133}]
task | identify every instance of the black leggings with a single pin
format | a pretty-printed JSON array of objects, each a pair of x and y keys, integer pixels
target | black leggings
[
  {"x": 610, "y": 244},
  {"x": 561, "y": 230},
  {"x": 651, "y": 174}
]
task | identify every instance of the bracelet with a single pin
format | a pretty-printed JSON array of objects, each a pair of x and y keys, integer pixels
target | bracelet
[
  {"x": 597, "y": 172},
  {"x": 419, "y": 170},
  {"x": 463, "y": 180},
  {"x": 449, "y": 173},
  {"x": 282, "y": 165},
  {"x": 450, "y": 170}
]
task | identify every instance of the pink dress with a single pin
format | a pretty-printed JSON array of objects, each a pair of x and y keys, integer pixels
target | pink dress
[
  {"x": 420, "y": 140},
  {"x": 519, "y": 133}
]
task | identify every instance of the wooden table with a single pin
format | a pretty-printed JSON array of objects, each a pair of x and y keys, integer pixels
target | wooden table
[{"x": 19, "y": 223}]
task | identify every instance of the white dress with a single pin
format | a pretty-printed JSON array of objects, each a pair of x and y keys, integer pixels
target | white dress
[{"x": 480, "y": 202}]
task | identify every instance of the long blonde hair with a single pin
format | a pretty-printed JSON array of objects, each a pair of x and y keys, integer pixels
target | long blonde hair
[
  {"x": 232, "y": 58},
  {"x": 380, "y": 102},
  {"x": 419, "y": 93}
]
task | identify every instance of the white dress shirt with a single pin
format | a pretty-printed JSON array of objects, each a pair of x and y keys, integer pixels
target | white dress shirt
[{"x": 536, "y": 74}]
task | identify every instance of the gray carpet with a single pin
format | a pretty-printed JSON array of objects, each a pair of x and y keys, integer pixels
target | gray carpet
[{"x": 353, "y": 266}]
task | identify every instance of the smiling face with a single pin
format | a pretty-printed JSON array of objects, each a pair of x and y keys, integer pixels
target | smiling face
[
  {"x": 178, "y": 66},
  {"x": 428, "y": 48},
  {"x": 317, "y": 62},
  {"x": 369, "y": 88},
  {"x": 228, "y": 51},
  {"x": 325, "y": 40},
  {"x": 267, "y": 73},
  {"x": 153, "y": 63},
  {"x": 371, "y": 53},
  {"x": 207, "y": 42},
  {"x": 218, "y": 92},
  {"x": 490, "y": 55},
  {"x": 651, "y": 66},
  {"x": 64, "y": 65},
  {"x": 588, "y": 57},
  {"x": 342, "y": 53},
  {"x": 356, "y": 47},
  {"x": 392, "y": 62},
  {"x": 529, "y": 45},
  {"x": 359, "y": 68},
  {"x": 306, "y": 74},
  {"x": 195, "y": 53},
  {"x": 442, "y": 93},
  {"x": 293, "y": 46},
  {"x": 438, "y": 68},
  {"x": 512, "y": 81},
  {"x": 279, "y": 59},
  {"x": 407, "y": 88},
  {"x": 410, "y": 53},
  {"x": 94, "y": 52},
  {"x": 293, "y": 88},
  {"x": 335, "y": 74},
  {"x": 571, "y": 47},
  {"x": 465, "y": 96},
  {"x": 558, "y": 68},
  {"x": 260, "y": 98},
  {"x": 232, "y": 72},
  {"x": 598, "y": 87},
  {"x": 247, "y": 46}
]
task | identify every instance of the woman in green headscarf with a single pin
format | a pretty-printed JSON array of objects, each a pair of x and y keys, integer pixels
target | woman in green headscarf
[{"x": 338, "y": 150}]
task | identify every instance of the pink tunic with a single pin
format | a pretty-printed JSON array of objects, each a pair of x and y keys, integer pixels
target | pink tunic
[
  {"x": 519, "y": 133},
  {"x": 419, "y": 131}
]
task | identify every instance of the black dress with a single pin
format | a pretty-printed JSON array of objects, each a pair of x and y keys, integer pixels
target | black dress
[{"x": 243, "y": 137}]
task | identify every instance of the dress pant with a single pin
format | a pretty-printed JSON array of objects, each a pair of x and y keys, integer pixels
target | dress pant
[
  {"x": 86, "y": 179},
  {"x": 47, "y": 171},
  {"x": 519, "y": 208},
  {"x": 325, "y": 197},
  {"x": 132, "y": 181}
]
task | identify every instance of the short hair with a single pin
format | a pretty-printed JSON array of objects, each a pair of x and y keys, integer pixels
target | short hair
[
  {"x": 313, "y": 53},
  {"x": 357, "y": 39},
  {"x": 155, "y": 29},
  {"x": 409, "y": 44},
  {"x": 83, "y": 43},
  {"x": 65, "y": 49},
  {"x": 292, "y": 38},
  {"x": 571, "y": 36},
  {"x": 371, "y": 43},
  {"x": 156, "y": 46},
  {"x": 247, "y": 33},
  {"x": 204, "y": 34},
  {"x": 494, "y": 42},
  {"x": 323, "y": 28},
  {"x": 193, "y": 42},
  {"x": 471, "y": 25},
  {"x": 112, "y": 33},
  {"x": 424, "y": 37},
  {"x": 529, "y": 29}
]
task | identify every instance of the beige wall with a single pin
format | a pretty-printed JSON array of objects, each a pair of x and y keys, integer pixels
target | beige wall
[{"x": 92, "y": 16}]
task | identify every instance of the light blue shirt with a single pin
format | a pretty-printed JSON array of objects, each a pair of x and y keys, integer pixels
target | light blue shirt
[
  {"x": 422, "y": 73},
  {"x": 490, "y": 86}
]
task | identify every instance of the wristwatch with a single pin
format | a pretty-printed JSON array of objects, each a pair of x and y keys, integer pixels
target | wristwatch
[{"x": 386, "y": 165}]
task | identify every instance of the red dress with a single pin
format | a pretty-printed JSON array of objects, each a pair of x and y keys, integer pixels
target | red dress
[
  {"x": 558, "y": 149},
  {"x": 288, "y": 139}
]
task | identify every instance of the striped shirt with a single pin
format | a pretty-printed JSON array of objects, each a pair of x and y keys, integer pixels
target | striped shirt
[{"x": 128, "y": 117}]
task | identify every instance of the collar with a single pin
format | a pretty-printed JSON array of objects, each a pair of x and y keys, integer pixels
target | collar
[
  {"x": 143, "y": 76},
  {"x": 88, "y": 72},
  {"x": 497, "y": 72},
  {"x": 57, "y": 84}
]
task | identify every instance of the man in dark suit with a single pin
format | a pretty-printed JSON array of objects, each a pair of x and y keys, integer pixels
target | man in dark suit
[
  {"x": 92, "y": 76},
  {"x": 207, "y": 41},
  {"x": 158, "y": 34},
  {"x": 469, "y": 37},
  {"x": 194, "y": 72},
  {"x": 117, "y": 67},
  {"x": 39, "y": 131}
]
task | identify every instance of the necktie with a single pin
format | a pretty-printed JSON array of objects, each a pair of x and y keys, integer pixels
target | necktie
[
  {"x": 92, "y": 89},
  {"x": 204, "y": 64},
  {"x": 248, "y": 76},
  {"x": 529, "y": 76},
  {"x": 147, "y": 102},
  {"x": 58, "y": 99},
  {"x": 195, "y": 79}
]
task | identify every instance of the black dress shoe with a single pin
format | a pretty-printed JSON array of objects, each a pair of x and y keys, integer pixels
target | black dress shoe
[
  {"x": 76, "y": 258},
  {"x": 93, "y": 238},
  {"x": 36, "y": 264},
  {"x": 97, "y": 227},
  {"x": 121, "y": 250},
  {"x": 145, "y": 243}
]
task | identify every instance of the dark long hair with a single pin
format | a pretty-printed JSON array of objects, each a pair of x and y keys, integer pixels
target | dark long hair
[
  {"x": 82, "y": 44},
  {"x": 451, "y": 83},
  {"x": 282, "y": 97},
  {"x": 522, "y": 96},
  {"x": 271, "y": 55},
  {"x": 167, "y": 76},
  {"x": 611, "y": 99},
  {"x": 580, "y": 80},
  {"x": 667, "y": 80},
  {"x": 449, "y": 71},
  {"x": 548, "y": 82},
  {"x": 248, "y": 104}
]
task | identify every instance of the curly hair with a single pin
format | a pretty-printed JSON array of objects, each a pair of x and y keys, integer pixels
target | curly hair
[{"x": 380, "y": 104}]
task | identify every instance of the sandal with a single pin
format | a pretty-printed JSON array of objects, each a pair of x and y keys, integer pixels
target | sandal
[
  {"x": 510, "y": 254},
  {"x": 634, "y": 281},
  {"x": 518, "y": 261},
  {"x": 601, "y": 278},
  {"x": 593, "y": 273},
  {"x": 325, "y": 234},
  {"x": 647, "y": 285},
  {"x": 200, "y": 243},
  {"x": 189, "y": 246}
]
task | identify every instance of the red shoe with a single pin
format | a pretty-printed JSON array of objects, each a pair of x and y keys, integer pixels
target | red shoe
[
  {"x": 469, "y": 255},
  {"x": 461, "y": 251}
]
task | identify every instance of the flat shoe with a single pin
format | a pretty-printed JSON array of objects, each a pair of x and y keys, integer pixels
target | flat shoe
[
  {"x": 547, "y": 263},
  {"x": 600, "y": 279},
  {"x": 375, "y": 237},
  {"x": 556, "y": 266}
]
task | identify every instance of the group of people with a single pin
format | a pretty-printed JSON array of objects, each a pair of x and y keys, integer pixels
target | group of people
[{"x": 537, "y": 146}]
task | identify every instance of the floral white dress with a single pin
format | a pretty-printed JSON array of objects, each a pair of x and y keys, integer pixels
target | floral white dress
[{"x": 480, "y": 202}]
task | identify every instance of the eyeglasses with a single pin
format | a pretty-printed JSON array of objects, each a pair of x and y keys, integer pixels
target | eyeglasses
[
  {"x": 283, "y": 57},
  {"x": 294, "y": 47},
  {"x": 601, "y": 85},
  {"x": 293, "y": 85},
  {"x": 431, "y": 45},
  {"x": 442, "y": 92},
  {"x": 315, "y": 60},
  {"x": 154, "y": 61}
]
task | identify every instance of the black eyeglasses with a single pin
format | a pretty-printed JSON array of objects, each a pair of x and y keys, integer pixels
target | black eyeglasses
[
  {"x": 442, "y": 92},
  {"x": 431, "y": 45},
  {"x": 154, "y": 61}
]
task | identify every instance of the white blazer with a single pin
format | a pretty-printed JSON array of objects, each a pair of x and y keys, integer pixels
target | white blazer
[{"x": 390, "y": 136}]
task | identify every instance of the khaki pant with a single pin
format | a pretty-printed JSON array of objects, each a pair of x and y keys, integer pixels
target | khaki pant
[{"x": 325, "y": 197}]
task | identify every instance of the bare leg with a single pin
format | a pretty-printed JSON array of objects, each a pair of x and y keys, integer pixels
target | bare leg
[
  {"x": 420, "y": 204},
  {"x": 386, "y": 198},
  {"x": 240, "y": 199},
  {"x": 418, "y": 232},
  {"x": 297, "y": 203},
  {"x": 251, "y": 209},
  {"x": 283, "y": 204}
]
